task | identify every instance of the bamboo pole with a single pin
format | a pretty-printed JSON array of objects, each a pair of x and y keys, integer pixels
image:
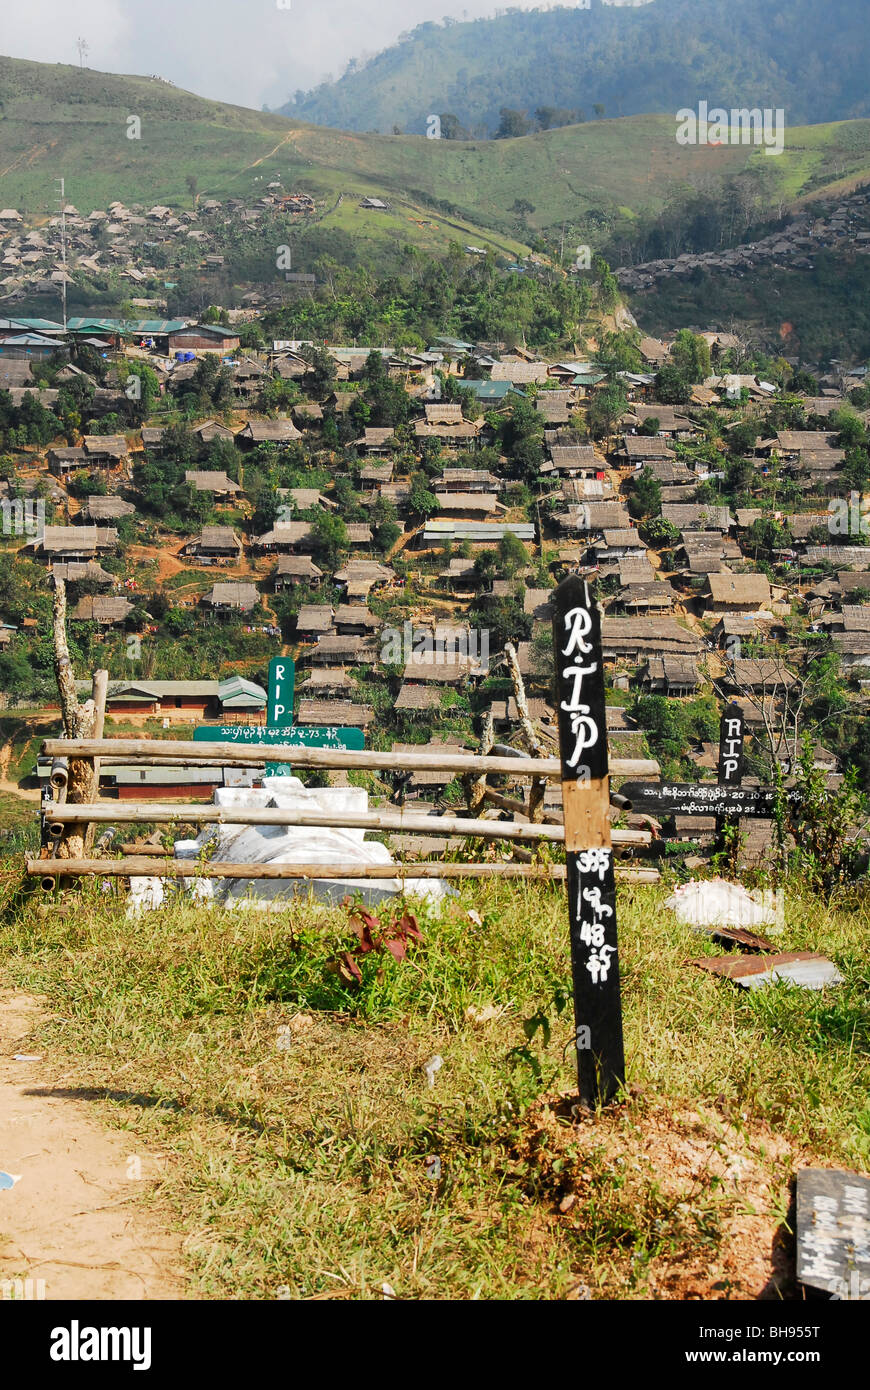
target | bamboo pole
[
  {"x": 147, "y": 867},
  {"x": 233, "y": 755},
  {"x": 348, "y": 820}
]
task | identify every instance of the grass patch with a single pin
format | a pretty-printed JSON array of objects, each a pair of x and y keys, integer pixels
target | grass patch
[{"x": 327, "y": 1166}]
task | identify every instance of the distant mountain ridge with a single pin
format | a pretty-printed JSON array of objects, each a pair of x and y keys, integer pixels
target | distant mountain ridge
[{"x": 809, "y": 59}]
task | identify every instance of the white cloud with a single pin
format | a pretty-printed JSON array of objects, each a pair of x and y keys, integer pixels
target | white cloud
[{"x": 243, "y": 51}]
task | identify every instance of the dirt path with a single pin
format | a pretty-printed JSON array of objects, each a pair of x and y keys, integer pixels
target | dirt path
[
  {"x": 257, "y": 162},
  {"x": 29, "y": 794},
  {"x": 74, "y": 1219}
]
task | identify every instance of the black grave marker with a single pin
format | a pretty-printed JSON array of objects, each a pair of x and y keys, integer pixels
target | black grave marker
[{"x": 588, "y": 849}]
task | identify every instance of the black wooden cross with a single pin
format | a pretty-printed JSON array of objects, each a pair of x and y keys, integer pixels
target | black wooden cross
[{"x": 588, "y": 849}]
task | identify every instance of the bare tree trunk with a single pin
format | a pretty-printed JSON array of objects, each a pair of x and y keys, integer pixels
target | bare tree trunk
[
  {"x": 78, "y": 722},
  {"x": 477, "y": 788},
  {"x": 99, "y": 690},
  {"x": 533, "y": 744}
]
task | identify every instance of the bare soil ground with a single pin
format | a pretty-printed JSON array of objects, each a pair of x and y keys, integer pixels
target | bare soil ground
[
  {"x": 79, "y": 1218},
  {"x": 690, "y": 1168}
]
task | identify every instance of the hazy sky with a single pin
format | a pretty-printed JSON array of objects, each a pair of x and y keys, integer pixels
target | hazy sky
[{"x": 249, "y": 52}]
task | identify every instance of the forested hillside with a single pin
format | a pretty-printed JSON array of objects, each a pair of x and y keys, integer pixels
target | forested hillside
[{"x": 562, "y": 65}]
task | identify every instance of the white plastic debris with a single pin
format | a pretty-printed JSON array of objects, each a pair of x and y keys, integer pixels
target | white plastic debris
[
  {"x": 434, "y": 1064},
  {"x": 717, "y": 903},
  {"x": 285, "y": 844},
  {"x": 26, "y": 1057},
  {"x": 145, "y": 894}
]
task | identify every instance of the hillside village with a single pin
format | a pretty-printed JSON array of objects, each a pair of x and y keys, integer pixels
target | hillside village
[
  {"x": 844, "y": 227},
  {"x": 213, "y": 496}
]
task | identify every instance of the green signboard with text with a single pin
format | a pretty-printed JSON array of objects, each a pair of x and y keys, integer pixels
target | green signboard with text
[{"x": 277, "y": 729}]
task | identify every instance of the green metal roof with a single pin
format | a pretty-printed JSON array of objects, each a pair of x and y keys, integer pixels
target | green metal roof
[
  {"x": 217, "y": 328},
  {"x": 238, "y": 692},
  {"x": 489, "y": 390},
  {"x": 78, "y": 325},
  {"x": 33, "y": 325}
]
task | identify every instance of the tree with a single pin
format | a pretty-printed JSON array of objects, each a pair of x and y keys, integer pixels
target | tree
[
  {"x": 421, "y": 501},
  {"x": 618, "y": 352},
  {"x": 266, "y": 512},
  {"x": 608, "y": 286},
  {"x": 252, "y": 336},
  {"x": 606, "y": 407},
  {"x": 551, "y": 117},
  {"x": 850, "y": 429},
  {"x": 192, "y": 184},
  {"x": 690, "y": 354},
  {"x": 512, "y": 555},
  {"x": 451, "y": 129},
  {"x": 180, "y": 443},
  {"x": 485, "y": 567},
  {"x": 141, "y": 396},
  {"x": 384, "y": 523},
  {"x": 330, "y": 539},
  {"x": 323, "y": 370},
  {"x": 659, "y": 533},
  {"x": 522, "y": 434},
  {"x": 673, "y": 386},
  {"x": 766, "y": 535},
  {"x": 512, "y": 124},
  {"x": 646, "y": 496},
  {"x": 505, "y": 621},
  {"x": 742, "y": 436}
]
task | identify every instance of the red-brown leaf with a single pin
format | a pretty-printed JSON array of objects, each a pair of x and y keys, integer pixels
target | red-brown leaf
[
  {"x": 396, "y": 947},
  {"x": 361, "y": 919},
  {"x": 407, "y": 927},
  {"x": 351, "y": 965},
  {"x": 366, "y": 941}
]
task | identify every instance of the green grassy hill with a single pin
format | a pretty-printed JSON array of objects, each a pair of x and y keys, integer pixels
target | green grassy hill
[{"x": 57, "y": 120}]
